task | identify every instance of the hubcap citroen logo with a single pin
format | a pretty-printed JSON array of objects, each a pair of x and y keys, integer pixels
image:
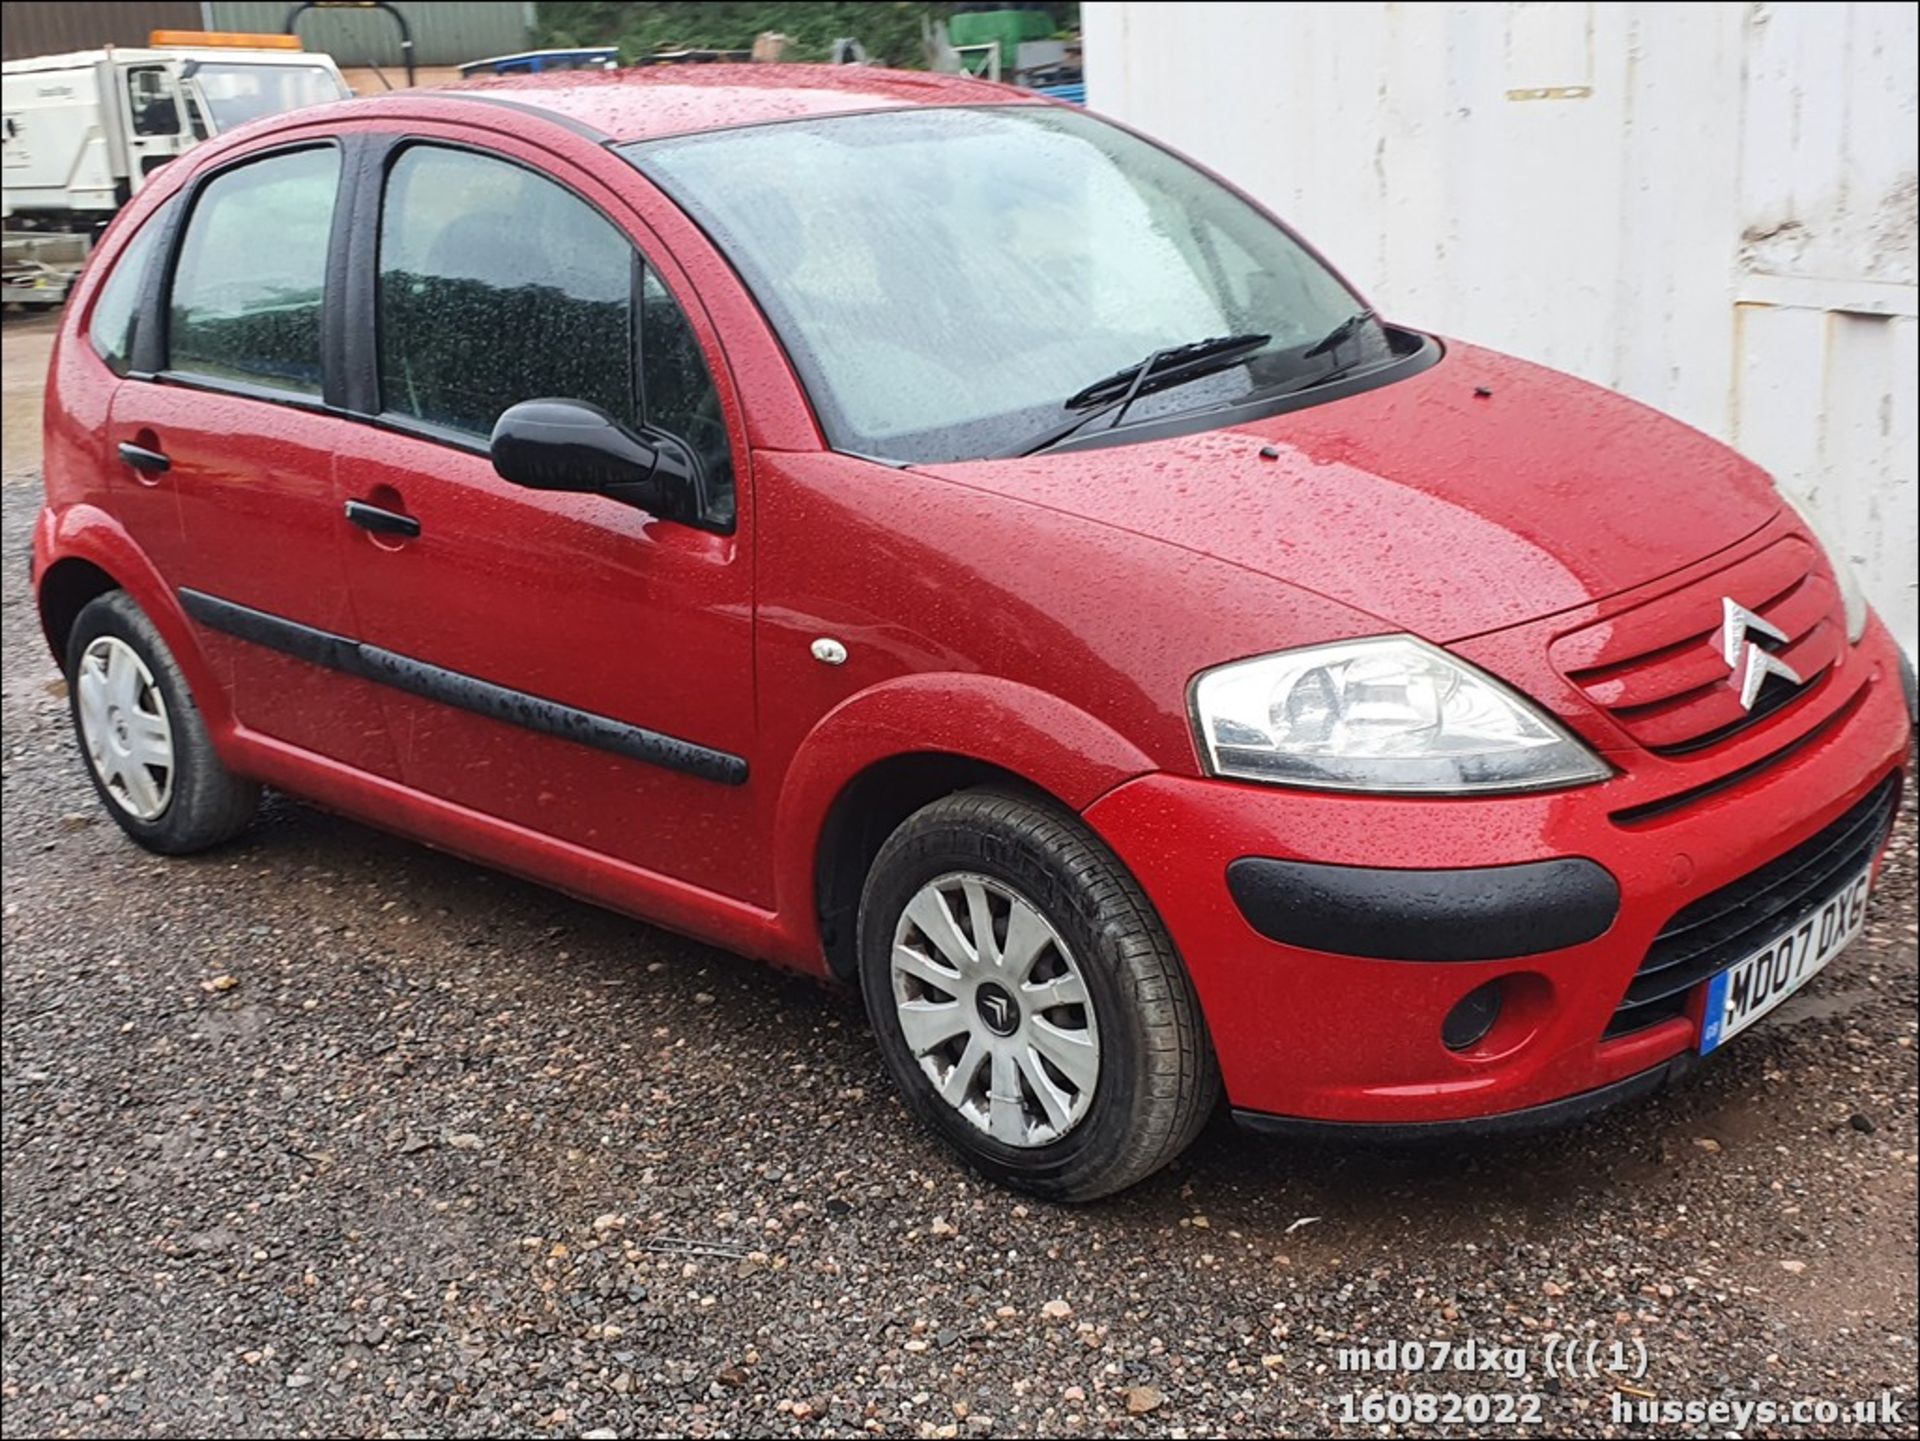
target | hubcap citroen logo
[
  {"x": 1750, "y": 662},
  {"x": 997, "y": 1009}
]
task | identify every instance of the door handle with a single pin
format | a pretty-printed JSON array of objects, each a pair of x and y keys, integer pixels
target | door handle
[
  {"x": 140, "y": 458},
  {"x": 381, "y": 522}
]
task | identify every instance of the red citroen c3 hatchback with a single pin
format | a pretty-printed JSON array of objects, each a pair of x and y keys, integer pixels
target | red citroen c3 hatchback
[{"x": 924, "y": 535}]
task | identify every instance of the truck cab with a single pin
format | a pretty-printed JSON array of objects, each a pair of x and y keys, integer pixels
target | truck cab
[{"x": 83, "y": 131}]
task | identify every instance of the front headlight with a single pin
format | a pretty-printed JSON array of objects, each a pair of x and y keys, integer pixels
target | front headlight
[
  {"x": 1390, "y": 713},
  {"x": 1853, "y": 600}
]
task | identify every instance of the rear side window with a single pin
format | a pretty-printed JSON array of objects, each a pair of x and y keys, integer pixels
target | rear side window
[
  {"x": 497, "y": 286},
  {"x": 246, "y": 293},
  {"x": 116, "y": 314}
]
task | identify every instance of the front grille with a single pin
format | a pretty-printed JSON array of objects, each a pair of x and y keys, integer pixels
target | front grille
[
  {"x": 1659, "y": 670},
  {"x": 1736, "y": 920}
]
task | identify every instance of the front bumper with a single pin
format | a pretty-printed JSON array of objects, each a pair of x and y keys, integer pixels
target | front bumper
[
  {"x": 1496, "y": 1125},
  {"x": 1305, "y": 1033}
]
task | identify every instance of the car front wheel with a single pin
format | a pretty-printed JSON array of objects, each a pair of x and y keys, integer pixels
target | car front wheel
[{"x": 1027, "y": 999}]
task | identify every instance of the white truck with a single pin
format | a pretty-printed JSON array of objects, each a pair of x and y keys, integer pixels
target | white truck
[{"x": 84, "y": 131}]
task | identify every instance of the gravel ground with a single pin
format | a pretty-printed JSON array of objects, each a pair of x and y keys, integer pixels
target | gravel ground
[{"x": 325, "y": 1133}]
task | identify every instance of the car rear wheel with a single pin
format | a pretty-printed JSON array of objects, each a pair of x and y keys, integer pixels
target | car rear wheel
[
  {"x": 147, "y": 747},
  {"x": 1027, "y": 999}
]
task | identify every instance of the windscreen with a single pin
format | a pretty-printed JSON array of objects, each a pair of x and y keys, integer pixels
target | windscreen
[
  {"x": 947, "y": 279},
  {"x": 237, "y": 92}
]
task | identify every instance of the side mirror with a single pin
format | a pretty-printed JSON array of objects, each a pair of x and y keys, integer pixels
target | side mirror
[{"x": 571, "y": 445}]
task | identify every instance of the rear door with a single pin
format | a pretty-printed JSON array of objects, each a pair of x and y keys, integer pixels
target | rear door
[
  {"x": 565, "y": 662},
  {"x": 143, "y": 502},
  {"x": 226, "y": 423}
]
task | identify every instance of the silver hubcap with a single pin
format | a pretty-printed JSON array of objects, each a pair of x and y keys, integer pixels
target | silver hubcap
[
  {"x": 124, "y": 723},
  {"x": 993, "y": 1005}
]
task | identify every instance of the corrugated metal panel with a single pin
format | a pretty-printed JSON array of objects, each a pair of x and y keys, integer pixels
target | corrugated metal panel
[
  {"x": 54, "y": 27},
  {"x": 1825, "y": 338},
  {"x": 443, "y": 34},
  {"x": 1709, "y": 207}
]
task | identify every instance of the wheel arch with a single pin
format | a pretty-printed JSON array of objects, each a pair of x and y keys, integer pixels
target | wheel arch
[
  {"x": 885, "y": 752},
  {"x": 65, "y": 588},
  {"x": 81, "y": 552},
  {"x": 868, "y": 809}
]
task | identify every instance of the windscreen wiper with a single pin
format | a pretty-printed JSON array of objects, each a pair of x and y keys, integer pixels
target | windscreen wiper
[
  {"x": 1161, "y": 370},
  {"x": 1339, "y": 335},
  {"x": 1328, "y": 345}
]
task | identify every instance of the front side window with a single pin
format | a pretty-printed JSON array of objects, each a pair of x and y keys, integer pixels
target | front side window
[
  {"x": 116, "y": 313},
  {"x": 246, "y": 296},
  {"x": 498, "y": 285},
  {"x": 152, "y": 108},
  {"x": 948, "y": 280}
]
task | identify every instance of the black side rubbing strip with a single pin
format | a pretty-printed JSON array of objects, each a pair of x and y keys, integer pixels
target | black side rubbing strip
[
  {"x": 468, "y": 693},
  {"x": 497, "y": 702},
  {"x": 316, "y": 647},
  {"x": 1485, "y": 913}
]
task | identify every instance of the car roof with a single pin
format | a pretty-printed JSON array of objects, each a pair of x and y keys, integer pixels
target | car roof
[{"x": 647, "y": 102}]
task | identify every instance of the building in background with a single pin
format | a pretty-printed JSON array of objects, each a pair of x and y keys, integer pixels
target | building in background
[
  {"x": 36, "y": 27},
  {"x": 1708, "y": 207},
  {"x": 365, "y": 44}
]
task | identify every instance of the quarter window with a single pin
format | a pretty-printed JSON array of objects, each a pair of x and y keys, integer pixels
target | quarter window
[
  {"x": 679, "y": 395},
  {"x": 116, "y": 314},
  {"x": 247, "y": 290},
  {"x": 498, "y": 285}
]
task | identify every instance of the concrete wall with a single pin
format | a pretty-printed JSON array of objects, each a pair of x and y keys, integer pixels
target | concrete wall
[{"x": 1708, "y": 206}]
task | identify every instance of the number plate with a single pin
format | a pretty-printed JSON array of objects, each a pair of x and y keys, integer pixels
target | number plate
[{"x": 1748, "y": 989}]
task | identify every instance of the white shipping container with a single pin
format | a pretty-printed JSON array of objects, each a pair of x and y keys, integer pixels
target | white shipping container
[{"x": 1710, "y": 207}]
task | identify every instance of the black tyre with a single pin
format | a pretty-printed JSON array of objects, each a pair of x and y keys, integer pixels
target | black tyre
[
  {"x": 143, "y": 738},
  {"x": 1067, "y": 1056}
]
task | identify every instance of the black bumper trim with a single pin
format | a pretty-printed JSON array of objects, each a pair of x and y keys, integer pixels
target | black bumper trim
[
  {"x": 1548, "y": 1116},
  {"x": 1485, "y": 913}
]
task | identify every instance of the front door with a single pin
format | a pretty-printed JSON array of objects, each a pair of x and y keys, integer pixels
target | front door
[
  {"x": 562, "y": 661},
  {"x": 156, "y": 120}
]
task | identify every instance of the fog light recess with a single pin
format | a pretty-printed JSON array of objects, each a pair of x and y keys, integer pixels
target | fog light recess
[{"x": 1469, "y": 1021}]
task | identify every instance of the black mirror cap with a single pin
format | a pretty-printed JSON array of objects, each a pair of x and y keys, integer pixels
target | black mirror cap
[{"x": 559, "y": 444}]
